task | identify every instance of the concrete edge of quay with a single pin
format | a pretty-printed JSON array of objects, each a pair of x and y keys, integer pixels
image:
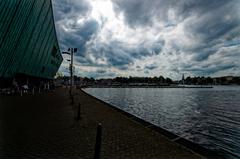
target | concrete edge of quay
[{"x": 171, "y": 136}]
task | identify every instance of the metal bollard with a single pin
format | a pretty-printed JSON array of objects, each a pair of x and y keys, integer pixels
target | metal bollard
[
  {"x": 98, "y": 143},
  {"x": 79, "y": 112},
  {"x": 72, "y": 100}
]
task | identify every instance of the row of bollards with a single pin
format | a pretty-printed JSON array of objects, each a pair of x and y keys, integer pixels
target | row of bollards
[
  {"x": 79, "y": 112},
  {"x": 97, "y": 152},
  {"x": 72, "y": 100},
  {"x": 78, "y": 108}
]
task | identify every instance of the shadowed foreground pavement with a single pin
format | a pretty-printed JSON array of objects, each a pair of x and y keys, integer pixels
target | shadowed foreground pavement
[{"x": 44, "y": 126}]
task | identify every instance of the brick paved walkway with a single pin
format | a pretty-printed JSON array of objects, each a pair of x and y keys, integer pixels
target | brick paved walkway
[{"x": 43, "y": 126}]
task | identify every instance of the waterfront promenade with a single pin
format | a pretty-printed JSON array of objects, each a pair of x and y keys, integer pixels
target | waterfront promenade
[{"x": 44, "y": 126}]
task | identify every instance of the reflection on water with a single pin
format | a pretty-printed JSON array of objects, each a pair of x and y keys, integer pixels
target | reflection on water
[{"x": 210, "y": 117}]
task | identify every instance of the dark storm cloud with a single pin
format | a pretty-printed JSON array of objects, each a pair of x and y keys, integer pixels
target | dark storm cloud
[
  {"x": 120, "y": 55},
  {"x": 77, "y": 37},
  {"x": 203, "y": 54},
  {"x": 114, "y": 53},
  {"x": 142, "y": 12},
  {"x": 65, "y": 9},
  {"x": 201, "y": 30},
  {"x": 213, "y": 21},
  {"x": 70, "y": 32},
  {"x": 89, "y": 28},
  {"x": 210, "y": 69},
  {"x": 232, "y": 43}
]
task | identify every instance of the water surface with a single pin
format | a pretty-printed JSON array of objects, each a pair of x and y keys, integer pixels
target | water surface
[{"x": 208, "y": 116}]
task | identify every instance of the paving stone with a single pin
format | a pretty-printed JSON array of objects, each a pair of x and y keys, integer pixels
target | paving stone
[{"x": 45, "y": 126}]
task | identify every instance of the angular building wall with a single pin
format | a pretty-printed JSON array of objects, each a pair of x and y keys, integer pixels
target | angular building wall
[{"x": 28, "y": 41}]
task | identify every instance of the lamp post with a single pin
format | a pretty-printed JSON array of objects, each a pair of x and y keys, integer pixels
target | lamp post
[{"x": 72, "y": 50}]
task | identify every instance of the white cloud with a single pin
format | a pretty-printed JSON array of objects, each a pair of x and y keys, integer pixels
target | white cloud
[{"x": 124, "y": 36}]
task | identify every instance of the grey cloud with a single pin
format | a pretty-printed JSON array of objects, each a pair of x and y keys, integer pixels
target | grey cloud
[
  {"x": 142, "y": 12},
  {"x": 69, "y": 9},
  {"x": 89, "y": 28},
  {"x": 97, "y": 74},
  {"x": 151, "y": 66},
  {"x": 214, "y": 18},
  {"x": 101, "y": 71},
  {"x": 78, "y": 37},
  {"x": 66, "y": 15},
  {"x": 212, "y": 25},
  {"x": 158, "y": 46},
  {"x": 202, "y": 55},
  {"x": 232, "y": 43},
  {"x": 115, "y": 54},
  {"x": 120, "y": 55},
  {"x": 207, "y": 69},
  {"x": 146, "y": 72}
]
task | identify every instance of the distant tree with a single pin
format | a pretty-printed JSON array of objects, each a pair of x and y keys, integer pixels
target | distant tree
[
  {"x": 155, "y": 79},
  {"x": 194, "y": 80},
  {"x": 188, "y": 80},
  {"x": 91, "y": 79},
  {"x": 161, "y": 79},
  {"x": 168, "y": 81},
  {"x": 238, "y": 80},
  {"x": 209, "y": 80},
  {"x": 223, "y": 80},
  {"x": 235, "y": 80}
]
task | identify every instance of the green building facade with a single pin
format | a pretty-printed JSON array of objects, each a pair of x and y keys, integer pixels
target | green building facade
[{"x": 28, "y": 41}]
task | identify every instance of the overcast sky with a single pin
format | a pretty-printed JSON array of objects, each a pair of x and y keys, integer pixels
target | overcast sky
[{"x": 150, "y": 37}]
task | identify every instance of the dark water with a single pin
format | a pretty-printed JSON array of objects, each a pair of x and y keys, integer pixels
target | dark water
[{"x": 209, "y": 117}]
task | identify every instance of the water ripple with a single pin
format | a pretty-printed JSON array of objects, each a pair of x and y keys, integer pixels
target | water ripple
[{"x": 210, "y": 117}]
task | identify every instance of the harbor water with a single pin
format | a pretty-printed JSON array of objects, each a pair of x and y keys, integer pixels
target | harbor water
[{"x": 207, "y": 116}]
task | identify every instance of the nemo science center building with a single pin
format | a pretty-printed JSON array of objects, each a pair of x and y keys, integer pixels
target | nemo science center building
[{"x": 28, "y": 43}]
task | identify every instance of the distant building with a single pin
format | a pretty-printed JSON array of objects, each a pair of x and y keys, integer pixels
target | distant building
[
  {"x": 223, "y": 80},
  {"x": 183, "y": 79},
  {"x": 229, "y": 78},
  {"x": 28, "y": 41}
]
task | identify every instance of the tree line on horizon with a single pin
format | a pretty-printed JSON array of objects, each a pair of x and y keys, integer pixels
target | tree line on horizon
[
  {"x": 225, "y": 80},
  {"x": 196, "y": 80}
]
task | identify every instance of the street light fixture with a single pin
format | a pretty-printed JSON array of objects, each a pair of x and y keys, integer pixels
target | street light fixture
[{"x": 72, "y": 50}]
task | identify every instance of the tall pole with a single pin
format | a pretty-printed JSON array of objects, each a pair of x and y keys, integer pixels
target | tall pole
[
  {"x": 71, "y": 69},
  {"x": 72, "y": 50}
]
